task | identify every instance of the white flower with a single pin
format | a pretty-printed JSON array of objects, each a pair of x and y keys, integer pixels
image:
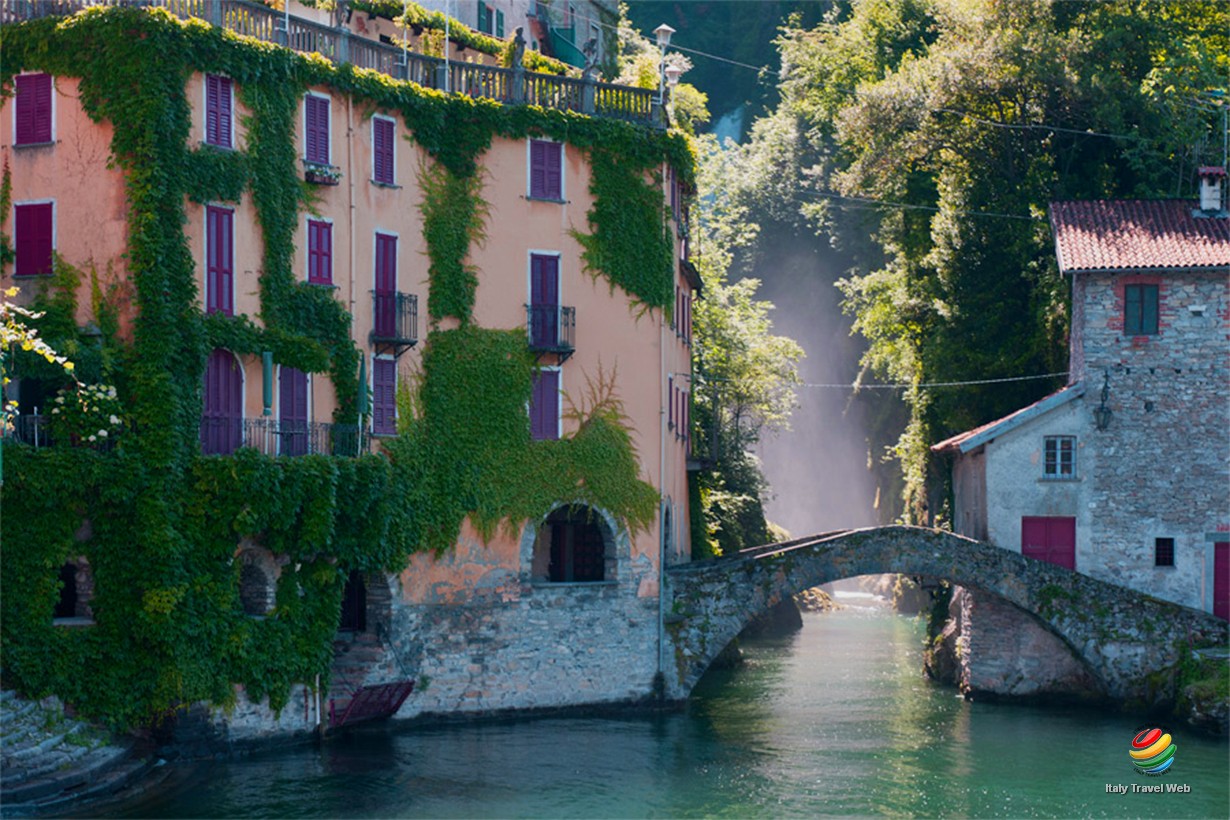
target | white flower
[
  {"x": 115, "y": 419},
  {"x": 101, "y": 434},
  {"x": 111, "y": 393},
  {"x": 55, "y": 411},
  {"x": 59, "y": 399},
  {"x": 91, "y": 438}
]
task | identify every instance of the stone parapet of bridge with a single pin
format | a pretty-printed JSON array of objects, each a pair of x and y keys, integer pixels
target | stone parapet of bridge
[{"x": 1121, "y": 636}]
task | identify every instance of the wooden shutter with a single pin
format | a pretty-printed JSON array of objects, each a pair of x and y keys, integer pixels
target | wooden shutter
[
  {"x": 554, "y": 170},
  {"x": 1049, "y": 538},
  {"x": 316, "y": 120},
  {"x": 33, "y": 236},
  {"x": 499, "y": 23},
  {"x": 384, "y": 396},
  {"x": 218, "y": 110},
  {"x": 320, "y": 252},
  {"x": 538, "y": 169},
  {"x": 670, "y": 412},
  {"x": 293, "y": 410},
  {"x": 219, "y": 271},
  {"x": 382, "y": 138},
  {"x": 222, "y": 419},
  {"x": 33, "y": 109},
  {"x": 544, "y": 300},
  {"x": 544, "y": 406}
]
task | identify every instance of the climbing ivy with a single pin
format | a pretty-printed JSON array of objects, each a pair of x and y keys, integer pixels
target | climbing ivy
[{"x": 158, "y": 522}]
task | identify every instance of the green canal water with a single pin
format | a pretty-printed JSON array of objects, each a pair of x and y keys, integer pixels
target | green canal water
[{"x": 836, "y": 721}]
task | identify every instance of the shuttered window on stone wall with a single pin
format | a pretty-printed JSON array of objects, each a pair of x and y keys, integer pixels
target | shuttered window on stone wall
[{"x": 1140, "y": 310}]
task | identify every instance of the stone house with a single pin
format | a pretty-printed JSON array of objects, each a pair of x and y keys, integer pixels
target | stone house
[
  {"x": 558, "y": 610},
  {"x": 1124, "y": 474}
]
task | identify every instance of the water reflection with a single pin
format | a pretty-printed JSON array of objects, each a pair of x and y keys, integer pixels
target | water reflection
[{"x": 834, "y": 721}]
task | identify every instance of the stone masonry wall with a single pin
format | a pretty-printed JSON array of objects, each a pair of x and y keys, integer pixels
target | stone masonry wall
[{"x": 1163, "y": 465}]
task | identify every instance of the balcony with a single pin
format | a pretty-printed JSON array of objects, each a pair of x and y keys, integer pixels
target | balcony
[
  {"x": 551, "y": 329},
  {"x": 339, "y": 45},
  {"x": 395, "y": 322},
  {"x": 275, "y": 437}
]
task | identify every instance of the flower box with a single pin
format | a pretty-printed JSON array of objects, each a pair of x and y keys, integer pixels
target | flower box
[{"x": 321, "y": 174}]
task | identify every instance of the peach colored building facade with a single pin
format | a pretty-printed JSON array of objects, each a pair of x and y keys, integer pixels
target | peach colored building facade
[{"x": 648, "y": 350}]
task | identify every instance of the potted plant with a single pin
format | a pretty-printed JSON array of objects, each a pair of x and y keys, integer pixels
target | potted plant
[{"x": 321, "y": 174}]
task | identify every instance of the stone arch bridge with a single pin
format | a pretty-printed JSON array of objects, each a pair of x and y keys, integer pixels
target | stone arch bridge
[{"x": 1120, "y": 635}]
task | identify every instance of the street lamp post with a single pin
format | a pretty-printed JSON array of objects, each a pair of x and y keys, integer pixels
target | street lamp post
[{"x": 663, "y": 33}]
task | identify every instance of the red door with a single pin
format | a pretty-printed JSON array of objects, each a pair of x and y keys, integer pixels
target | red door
[
  {"x": 1221, "y": 580},
  {"x": 222, "y": 419},
  {"x": 1049, "y": 538}
]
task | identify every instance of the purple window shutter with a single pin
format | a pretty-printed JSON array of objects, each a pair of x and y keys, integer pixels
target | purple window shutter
[
  {"x": 317, "y": 125},
  {"x": 320, "y": 252},
  {"x": 219, "y": 240},
  {"x": 222, "y": 419},
  {"x": 538, "y": 169},
  {"x": 33, "y": 112},
  {"x": 384, "y": 396},
  {"x": 544, "y": 406},
  {"x": 544, "y": 300},
  {"x": 382, "y": 134},
  {"x": 218, "y": 110},
  {"x": 554, "y": 170},
  {"x": 670, "y": 413},
  {"x": 293, "y": 407},
  {"x": 386, "y": 286},
  {"x": 33, "y": 232}
]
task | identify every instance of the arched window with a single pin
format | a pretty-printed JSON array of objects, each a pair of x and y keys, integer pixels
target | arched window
[
  {"x": 572, "y": 547},
  {"x": 253, "y": 590}
]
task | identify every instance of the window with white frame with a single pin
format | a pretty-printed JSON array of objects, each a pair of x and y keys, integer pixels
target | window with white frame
[{"x": 1059, "y": 457}]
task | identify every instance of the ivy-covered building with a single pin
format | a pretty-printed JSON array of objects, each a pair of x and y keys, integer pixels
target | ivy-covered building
[{"x": 378, "y": 384}]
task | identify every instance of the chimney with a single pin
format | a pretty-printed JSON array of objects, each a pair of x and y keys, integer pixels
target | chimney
[{"x": 1212, "y": 181}]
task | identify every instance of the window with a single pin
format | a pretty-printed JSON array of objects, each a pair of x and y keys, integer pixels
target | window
[
  {"x": 499, "y": 23},
  {"x": 76, "y": 590},
  {"x": 293, "y": 410},
  {"x": 32, "y": 110},
  {"x": 544, "y": 405},
  {"x": 220, "y": 261},
  {"x": 572, "y": 546},
  {"x": 385, "y": 319},
  {"x": 354, "y": 604},
  {"x": 384, "y": 397},
  {"x": 218, "y": 119},
  {"x": 1163, "y": 552},
  {"x": 484, "y": 21},
  {"x": 1140, "y": 310},
  {"x": 320, "y": 252},
  {"x": 222, "y": 410},
  {"x": 33, "y": 238},
  {"x": 546, "y": 170},
  {"x": 670, "y": 412},
  {"x": 383, "y": 134},
  {"x": 257, "y": 573},
  {"x": 1059, "y": 457},
  {"x": 316, "y": 129}
]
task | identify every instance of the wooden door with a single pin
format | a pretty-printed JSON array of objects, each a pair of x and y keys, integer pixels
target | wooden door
[
  {"x": 544, "y": 301},
  {"x": 222, "y": 416},
  {"x": 1049, "y": 538},
  {"x": 1221, "y": 580}
]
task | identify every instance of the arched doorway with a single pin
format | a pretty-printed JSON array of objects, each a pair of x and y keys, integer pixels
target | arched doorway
[
  {"x": 573, "y": 547},
  {"x": 354, "y": 604}
]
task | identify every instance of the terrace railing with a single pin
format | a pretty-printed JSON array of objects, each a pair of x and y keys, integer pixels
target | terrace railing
[
  {"x": 510, "y": 86},
  {"x": 277, "y": 437}
]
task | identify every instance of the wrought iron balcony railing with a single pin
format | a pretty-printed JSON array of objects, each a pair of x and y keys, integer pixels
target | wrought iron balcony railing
[
  {"x": 275, "y": 437},
  {"x": 551, "y": 329},
  {"x": 395, "y": 321}
]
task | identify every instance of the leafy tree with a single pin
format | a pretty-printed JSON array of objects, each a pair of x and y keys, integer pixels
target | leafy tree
[{"x": 970, "y": 116}]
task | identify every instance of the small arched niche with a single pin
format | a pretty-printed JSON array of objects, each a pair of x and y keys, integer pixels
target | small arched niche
[
  {"x": 258, "y": 578},
  {"x": 76, "y": 593}
]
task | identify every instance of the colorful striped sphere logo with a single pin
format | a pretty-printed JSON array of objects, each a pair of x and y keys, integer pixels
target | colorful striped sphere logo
[{"x": 1151, "y": 751}]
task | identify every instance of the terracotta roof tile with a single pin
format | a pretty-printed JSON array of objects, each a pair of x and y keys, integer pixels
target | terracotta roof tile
[{"x": 1127, "y": 234}]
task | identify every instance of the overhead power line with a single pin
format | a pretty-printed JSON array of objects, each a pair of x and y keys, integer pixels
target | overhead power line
[
  {"x": 915, "y": 207},
  {"x": 929, "y": 385}
]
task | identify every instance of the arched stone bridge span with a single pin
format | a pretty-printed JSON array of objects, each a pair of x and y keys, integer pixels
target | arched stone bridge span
[{"x": 1120, "y": 635}]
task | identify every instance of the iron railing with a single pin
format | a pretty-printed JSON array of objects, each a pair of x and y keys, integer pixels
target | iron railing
[
  {"x": 395, "y": 318},
  {"x": 507, "y": 85},
  {"x": 30, "y": 428},
  {"x": 276, "y": 437},
  {"x": 551, "y": 328}
]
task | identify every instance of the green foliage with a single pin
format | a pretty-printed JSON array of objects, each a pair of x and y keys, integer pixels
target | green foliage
[
  {"x": 164, "y": 521},
  {"x": 975, "y": 116},
  {"x": 7, "y": 252},
  {"x": 630, "y": 243},
  {"x": 454, "y": 215}
]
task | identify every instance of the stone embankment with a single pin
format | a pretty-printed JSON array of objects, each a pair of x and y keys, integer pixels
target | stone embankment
[{"x": 51, "y": 763}]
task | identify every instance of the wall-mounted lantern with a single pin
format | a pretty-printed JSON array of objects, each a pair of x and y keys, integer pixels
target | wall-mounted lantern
[{"x": 1102, "y": 414}]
